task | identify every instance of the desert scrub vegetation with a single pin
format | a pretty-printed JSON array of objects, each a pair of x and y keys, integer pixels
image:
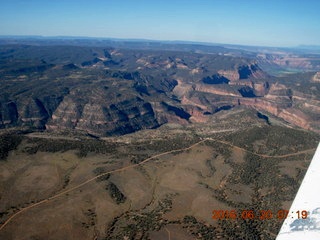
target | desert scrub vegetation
[
  {"x": 8, "y": 142},
  {"x": 177, "y": 142},
  {"x": 273, "y": 140},
  {"x": 198, "y": 229},
  {"x": 62, "y": 145},
  {"x": 115, "y": 193},
  {"x": 91, "y": 218},
  {"x": 138, "y": 224},
  {"x": 139, "y": 158},
  {"x": 101, "y": 170},
  {"x": 219, "y": 148}
]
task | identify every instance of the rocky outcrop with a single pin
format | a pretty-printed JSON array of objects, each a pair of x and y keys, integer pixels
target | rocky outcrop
[
  {"x": 216, "y": 90},
  {"x": 261, "y": 88},
  {"x": 182, "y": 89},
  {"x": 91, "y": 62},
  {"x": 252, "y": 89},
  {"x": 196, "y": 114},
  {"x": 215, "y": 79},
  {"x": 254, "y": 71},
  {"x": 313, "y": 107},
  {"x": 244, "y": 72},
  {"x": 194, "y": 102},
  {"x": 178, "y": 111},
  {"x": 247, "y": 92},
  {"x": 232, "y": 75},
  {"x": 280, "y": 93},
  {"x": 293, "y": 62},
  {"x": 167, "y": 113}
]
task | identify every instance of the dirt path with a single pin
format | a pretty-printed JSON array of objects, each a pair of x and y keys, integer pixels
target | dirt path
[
  {"x": 141, "y": 163},
  {"x": 169, "y": 234},
  {"x": 37, "y": 135}
]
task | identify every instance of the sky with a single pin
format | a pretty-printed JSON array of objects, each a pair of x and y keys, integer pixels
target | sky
[{"x": 247, "y": 22}]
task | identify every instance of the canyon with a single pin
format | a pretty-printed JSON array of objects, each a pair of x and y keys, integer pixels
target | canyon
[{"x": 117, "y": 91}]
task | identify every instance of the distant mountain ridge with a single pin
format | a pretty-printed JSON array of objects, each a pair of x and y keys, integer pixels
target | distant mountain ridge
[{"x": 274, "y": 60}]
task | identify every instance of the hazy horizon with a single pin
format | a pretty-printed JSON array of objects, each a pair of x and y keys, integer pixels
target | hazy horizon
[{"x": 272, "y": 23}]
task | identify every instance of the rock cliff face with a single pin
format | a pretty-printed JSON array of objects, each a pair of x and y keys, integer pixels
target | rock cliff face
[
  {"x": 261, "y": 88},
  {"x": 102, "y": 117},
  {"x": 216, "y": 90},
  {"x": 281, "y": 110},
  {"x": 295, "y": 117},
  {"x": 9, "y": 114},
  {"x": 196, "y": 114},
  {"x": 293, "y": 62},
  {"x": 261, "y": 105},
  {"x": 66, "y": 115},
  {"x": 275, "y": 98},
  {"x": 243, "y": 72},
  {"x": 285, "y": 61},
  {"x": 33, "y": 113},
  {"x": 232, "y": 75},
  {"x": 124, "y": 117},
  {"x": 279, "y": 93},
  {"x": 28, "y": 111}
]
